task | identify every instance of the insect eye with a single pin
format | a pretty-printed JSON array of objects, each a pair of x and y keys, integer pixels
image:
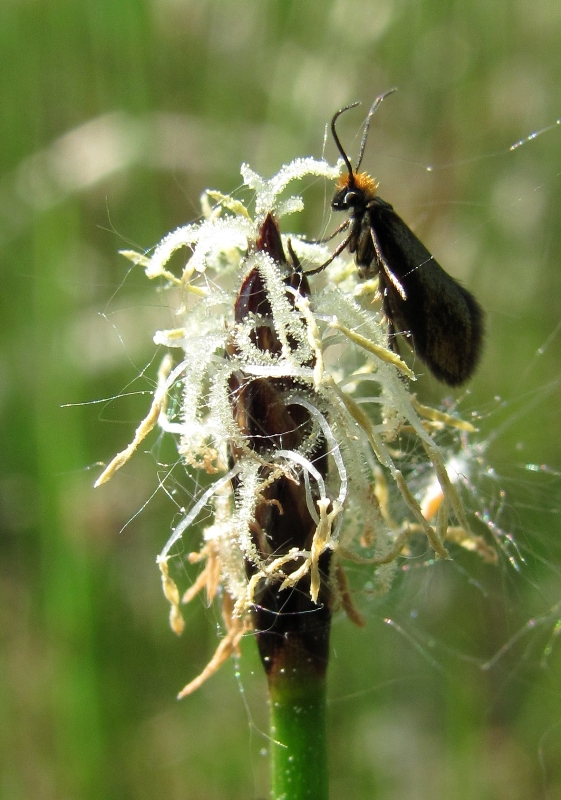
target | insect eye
[
  {"x": 351, "y": 199},
  {"x": 339, "y": 201}
]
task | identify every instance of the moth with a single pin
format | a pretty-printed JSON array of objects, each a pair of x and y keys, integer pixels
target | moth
[{"x": 442, "y": 320}]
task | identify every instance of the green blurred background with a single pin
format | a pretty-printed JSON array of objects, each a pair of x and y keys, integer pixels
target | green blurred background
[{"x": 114, "y": 117}]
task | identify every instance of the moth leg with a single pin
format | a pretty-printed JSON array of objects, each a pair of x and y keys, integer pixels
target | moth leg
[
  {"x": 383, "y": 264},
  {"x": 339, "y": 249},
  {"x": 339, "y": 229},
  {"x": 392, "y": 336},
  {"x": 295, "y": 260}
]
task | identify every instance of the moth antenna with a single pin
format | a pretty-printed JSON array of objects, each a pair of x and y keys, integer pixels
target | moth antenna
[
  {"x": 375, "y": 105},
  {"x": 336, "y": 138}
]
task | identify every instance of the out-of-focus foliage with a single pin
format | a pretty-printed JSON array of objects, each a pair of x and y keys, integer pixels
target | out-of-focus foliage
[{"x": 115, "y": 116}]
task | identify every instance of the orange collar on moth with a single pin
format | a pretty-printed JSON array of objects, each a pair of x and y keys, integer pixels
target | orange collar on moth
[{"x": 362, "y": 181}]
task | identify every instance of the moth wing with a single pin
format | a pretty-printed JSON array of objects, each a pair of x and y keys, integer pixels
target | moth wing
[{"x": 444, "y": 321}]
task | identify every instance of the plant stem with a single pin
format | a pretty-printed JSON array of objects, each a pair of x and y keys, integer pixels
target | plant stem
[
  {"x": 298, "y": 731},
  {"x": 292, "y": 629},
  {"x": 293, "y": 640}
]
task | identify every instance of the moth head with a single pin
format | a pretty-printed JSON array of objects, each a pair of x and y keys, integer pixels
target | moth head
[
  {"x": 355, "y": 189},
  {"x": 353, "y": 192}
]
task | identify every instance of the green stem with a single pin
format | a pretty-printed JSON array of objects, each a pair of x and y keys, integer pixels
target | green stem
[{"x": 298, "y": 732}]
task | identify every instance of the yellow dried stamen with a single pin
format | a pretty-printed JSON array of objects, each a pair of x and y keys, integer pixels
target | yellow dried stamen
[
  {"x": 384, "y": 458},
  {"x": 382, "y": 494},
  {"x": 314, "y": 336},
  {"x": 161, "y": 272},
  {"x": 227, "y": 647},
  {"x": 198, "y": 586},
  {"x": 171, "y": 593},
  {"x": 381, "y": 352},
  {"x": 159, "y": 404},
  {"x": 209, "y": 577},
  {"x": 448, "y": 488},
  {"x": 469, "y": 541},
  {"x": 345, "y": 596},
  {"x": 321, "y": 540},
  {"x": 223, "y": 201},
  {"x": 440, "y": 416}
]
